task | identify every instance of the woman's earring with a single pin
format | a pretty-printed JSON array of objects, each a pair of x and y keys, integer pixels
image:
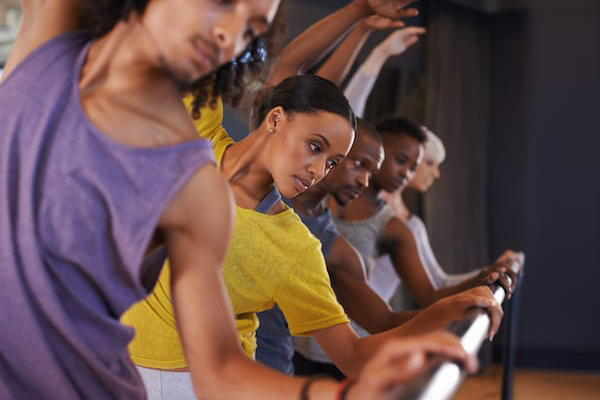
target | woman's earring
[{"x": 271, "y": 130}]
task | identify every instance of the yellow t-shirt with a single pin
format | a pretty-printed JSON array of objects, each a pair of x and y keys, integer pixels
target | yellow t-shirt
[{"x": 271, "y": 259}]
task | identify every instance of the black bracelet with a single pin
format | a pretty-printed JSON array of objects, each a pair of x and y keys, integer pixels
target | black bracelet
[{"x": 308, "y": 383}]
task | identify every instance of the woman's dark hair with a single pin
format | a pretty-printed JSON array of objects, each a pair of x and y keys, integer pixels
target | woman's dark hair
[
  {"x": 228, "y": 82},
  {"x": 401, "y": 126},
  {"x": 304, "y": 94}
]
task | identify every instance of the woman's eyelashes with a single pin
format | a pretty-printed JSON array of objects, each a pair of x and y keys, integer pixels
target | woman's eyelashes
[
  {"x": 315, "y": 147},
  {"x": 331, "y": 163}
]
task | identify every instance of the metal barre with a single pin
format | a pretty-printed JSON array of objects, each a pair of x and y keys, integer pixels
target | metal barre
[{"x": 444, "y": 377}]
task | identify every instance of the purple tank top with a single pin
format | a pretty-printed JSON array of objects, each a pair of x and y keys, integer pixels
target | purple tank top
[{"x": 77, "y": 211}]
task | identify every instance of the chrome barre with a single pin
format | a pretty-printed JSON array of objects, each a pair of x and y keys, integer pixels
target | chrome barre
[{"x": 444, "y": 377}]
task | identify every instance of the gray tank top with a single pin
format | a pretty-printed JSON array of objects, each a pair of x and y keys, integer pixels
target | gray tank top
[
  {"x": 364, "y": 235},
  {"x": 77, "y": 211}
]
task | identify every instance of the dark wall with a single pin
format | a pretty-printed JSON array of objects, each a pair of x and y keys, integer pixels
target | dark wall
[{"x": 545, "y": 184}]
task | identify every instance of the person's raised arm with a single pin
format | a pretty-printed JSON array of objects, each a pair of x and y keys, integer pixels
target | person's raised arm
[
  {"x": 314, "y": 43},
  {"x": 364, "y": 78},
  {"x": 339, "y": 63},
  {"x": 41, "y": 21}
]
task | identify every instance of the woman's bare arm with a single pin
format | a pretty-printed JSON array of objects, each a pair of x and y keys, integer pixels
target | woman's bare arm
[
  {"x": 398, "y": 241},
  {"x": 364, "y": 78},
  {"x": 339, "y": 63}
]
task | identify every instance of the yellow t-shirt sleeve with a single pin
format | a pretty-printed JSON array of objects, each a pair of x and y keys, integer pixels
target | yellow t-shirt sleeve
[
  {"x": 209, "y": 127},
  {"x": 306, "y": 297}
]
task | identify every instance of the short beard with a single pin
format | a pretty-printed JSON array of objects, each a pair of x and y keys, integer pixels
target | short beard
[
  {"x": 340, "y": 200},
  {"x": 181, "y": 84}
]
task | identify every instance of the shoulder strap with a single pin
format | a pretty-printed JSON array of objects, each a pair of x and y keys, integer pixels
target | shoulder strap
[{"x": 269, "y": 201}]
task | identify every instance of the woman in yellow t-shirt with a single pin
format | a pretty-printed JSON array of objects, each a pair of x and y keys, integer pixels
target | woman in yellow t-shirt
[{"x": 303, "y": 127}]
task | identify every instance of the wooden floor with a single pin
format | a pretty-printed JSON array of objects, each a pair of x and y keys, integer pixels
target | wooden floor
[{"x": 532, "y": 385}]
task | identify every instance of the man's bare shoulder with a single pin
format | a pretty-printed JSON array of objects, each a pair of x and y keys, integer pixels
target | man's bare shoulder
[{"x": 205, "y": 200}]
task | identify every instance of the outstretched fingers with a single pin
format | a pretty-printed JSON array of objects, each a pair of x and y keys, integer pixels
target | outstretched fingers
[
  {"x": 393, "y": 9},
  {"x": 379, "y": 22}
]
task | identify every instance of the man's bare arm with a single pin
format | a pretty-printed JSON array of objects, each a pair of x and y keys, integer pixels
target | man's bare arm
[
  {"x": 41, "y": 21},
  {"x": 359, "y": 300}
]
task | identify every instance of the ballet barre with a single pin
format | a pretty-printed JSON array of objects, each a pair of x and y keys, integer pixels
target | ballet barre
[{"x": 443, "y": 378}]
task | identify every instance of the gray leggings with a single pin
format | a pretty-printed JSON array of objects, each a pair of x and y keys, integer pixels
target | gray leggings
[{"x": 166, "y": 385}]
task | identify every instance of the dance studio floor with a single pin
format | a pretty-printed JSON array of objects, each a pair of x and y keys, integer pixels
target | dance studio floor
[{"x": 533, "y": 385}]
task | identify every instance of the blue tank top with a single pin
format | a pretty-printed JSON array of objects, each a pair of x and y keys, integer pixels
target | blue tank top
[{"x": 77, "y": 212}]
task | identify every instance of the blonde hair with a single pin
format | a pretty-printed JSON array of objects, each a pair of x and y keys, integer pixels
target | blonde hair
[{"x": 434, "y": 148}]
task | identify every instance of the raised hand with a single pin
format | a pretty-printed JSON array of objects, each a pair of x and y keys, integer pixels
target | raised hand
[
  {"x": 393, "y": 9},
  {"x": 399, "y": 41},
  {"x": 377, "y": 22},
  {"x": 400, "y": 360}
]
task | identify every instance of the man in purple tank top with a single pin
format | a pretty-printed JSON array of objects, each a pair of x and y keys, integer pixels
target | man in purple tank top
[
  {"x": 99, "y": 164},
  {"x": 99, "y": 169}
]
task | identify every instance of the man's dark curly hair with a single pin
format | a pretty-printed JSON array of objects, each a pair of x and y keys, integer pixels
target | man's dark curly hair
[{"x": 227, "y": 82}]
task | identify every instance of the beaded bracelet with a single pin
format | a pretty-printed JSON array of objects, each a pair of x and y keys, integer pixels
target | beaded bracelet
[{"x": 344, "y": 388}]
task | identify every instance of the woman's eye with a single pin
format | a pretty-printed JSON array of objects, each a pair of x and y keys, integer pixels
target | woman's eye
[
  {"x": 331, "y": 164},
  {"x": 314, "y": 147}
]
